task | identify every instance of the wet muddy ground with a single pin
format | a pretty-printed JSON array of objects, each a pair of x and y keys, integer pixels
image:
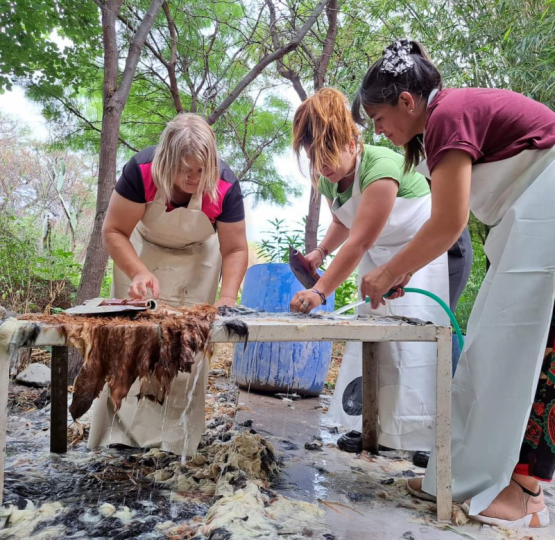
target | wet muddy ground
[
  {"x": 232, "y": 490},
  {"x": 363, "y": 496}
]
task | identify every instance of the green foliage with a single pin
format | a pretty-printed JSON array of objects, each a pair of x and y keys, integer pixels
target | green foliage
[
  {"x": 28, "y": 47},
  {"x": 106, "y": 288},
  {"x": 477, "y": 275},
  {"x": 16, "y": 258},
  {"x": 347, "y": 292},
  {"x": 217, "y": 44},
  {"x": 30, "y": 281},
  {"x": 57, "y": 265},
  {"x": 274, "y": 248}
]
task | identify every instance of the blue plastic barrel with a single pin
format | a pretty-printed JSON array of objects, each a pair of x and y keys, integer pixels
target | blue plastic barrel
[{"x": 281, "y": 366}]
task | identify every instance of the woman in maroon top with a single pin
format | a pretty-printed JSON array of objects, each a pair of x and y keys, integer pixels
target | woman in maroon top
[{"x": 491, "y": 151}]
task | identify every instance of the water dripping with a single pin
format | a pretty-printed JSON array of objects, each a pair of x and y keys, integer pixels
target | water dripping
[{"x": 185, "y": 414}]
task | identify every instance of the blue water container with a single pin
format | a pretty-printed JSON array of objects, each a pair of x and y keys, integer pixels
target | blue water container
[{"x": 280, "y": 366}]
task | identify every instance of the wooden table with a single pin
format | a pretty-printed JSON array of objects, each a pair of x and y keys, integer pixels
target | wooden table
[{"x": 16, "y": 334}]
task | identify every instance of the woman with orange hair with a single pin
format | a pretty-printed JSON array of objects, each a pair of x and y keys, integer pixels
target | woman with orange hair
[{"x": 378, "y": 206}]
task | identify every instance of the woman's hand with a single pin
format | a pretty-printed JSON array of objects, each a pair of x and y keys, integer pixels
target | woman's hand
[
  {"x": 142, "y": 281},
  {"x": 314, "y": 259},
  {"x": 226, "y": 301},
  {"x": 305, "y": 301},
  {"x": 379, "y": 282}
]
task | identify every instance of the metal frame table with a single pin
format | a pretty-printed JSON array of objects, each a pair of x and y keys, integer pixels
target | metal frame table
[{"x": 17, "y": 334}]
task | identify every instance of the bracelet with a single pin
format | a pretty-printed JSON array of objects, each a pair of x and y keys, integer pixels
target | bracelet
[
  {"x": 321, "y": 295},
  {"x": 323, "y": 250}
]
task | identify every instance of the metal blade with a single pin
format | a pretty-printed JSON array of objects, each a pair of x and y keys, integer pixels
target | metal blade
[{"x": 301, "y": 269}]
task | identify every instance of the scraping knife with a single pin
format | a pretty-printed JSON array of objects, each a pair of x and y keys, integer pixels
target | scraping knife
[{"x": 301, "y": 269}]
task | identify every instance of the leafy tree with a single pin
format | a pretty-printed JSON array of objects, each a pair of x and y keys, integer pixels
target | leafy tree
[
  {"x": 28, "y": 45},
  {"x": 306, "y": 67},
  {"x": 29, "y": 187}
]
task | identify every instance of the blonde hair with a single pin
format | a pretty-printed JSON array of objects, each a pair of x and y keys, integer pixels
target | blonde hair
[
  {"x": 186, "y": 136},
  {"x": 323, "y": 126}
]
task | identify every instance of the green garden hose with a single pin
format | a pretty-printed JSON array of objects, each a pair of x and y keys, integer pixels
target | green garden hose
[{"x": 445, "y": 307}]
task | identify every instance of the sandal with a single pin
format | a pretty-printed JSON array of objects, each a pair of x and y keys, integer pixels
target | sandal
[
  {"x": 514, "y": 507},
  {"x": 414, "y": 487}
]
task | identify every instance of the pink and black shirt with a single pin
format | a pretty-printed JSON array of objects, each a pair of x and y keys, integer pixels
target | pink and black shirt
[{"x": 136, "y": 184}]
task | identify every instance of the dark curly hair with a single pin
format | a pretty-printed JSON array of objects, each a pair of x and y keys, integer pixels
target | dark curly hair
[{"x": 382, "y": 86}]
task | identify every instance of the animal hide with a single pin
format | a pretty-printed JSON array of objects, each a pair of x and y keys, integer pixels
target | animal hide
[
  {"x": 237, "y": 327},
  {"x": 117, "y": 350}
]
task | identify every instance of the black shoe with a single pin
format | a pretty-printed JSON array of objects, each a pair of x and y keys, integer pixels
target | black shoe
[
  {"x": 350, "y": 442},
  {"x": 420, "y": 459},
  {"x": 385, "y": 449}
]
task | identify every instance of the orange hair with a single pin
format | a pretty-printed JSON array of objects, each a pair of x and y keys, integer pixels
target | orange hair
[{"x": 323, "y": 126}]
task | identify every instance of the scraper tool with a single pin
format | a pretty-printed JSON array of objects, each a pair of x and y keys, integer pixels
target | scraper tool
[{"x": 301, "y": 269}]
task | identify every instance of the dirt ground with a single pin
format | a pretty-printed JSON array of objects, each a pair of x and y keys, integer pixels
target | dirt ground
[{"x": 349, "y": 497}]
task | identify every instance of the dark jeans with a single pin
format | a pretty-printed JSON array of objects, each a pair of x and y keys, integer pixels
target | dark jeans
[{"x": 459, "y": 259}]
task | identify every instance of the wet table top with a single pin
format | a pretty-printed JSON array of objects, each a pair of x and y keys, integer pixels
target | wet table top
[{"x": 285, "y": 327}]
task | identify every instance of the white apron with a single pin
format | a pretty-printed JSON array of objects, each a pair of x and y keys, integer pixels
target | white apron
[
  {"x": 497, "y": 375},
  {"x": 407, "y": 371},
  {"x": 182, "y": 250}
]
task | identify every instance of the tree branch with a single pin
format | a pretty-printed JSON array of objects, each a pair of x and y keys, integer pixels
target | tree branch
[
  {"x": 109, "y": 13},
  {"x": 267, "y": 60},
  {"x": 283, "y": 70},
  {"x": 329, "y": 43},
  {"x": 134, "y": 54},
  {"x": 174, "y": 88},
  {"x": 169, "y": 65},
  {"x": 76, "y": 112},
  {"x": 154, "y": 51}
]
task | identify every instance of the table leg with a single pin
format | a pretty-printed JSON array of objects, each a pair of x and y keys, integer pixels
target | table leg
[
  {"x": 4, "y": 382},
  {"x": 370, "y": 426},
  {"x": 58, "y": 401},
  {"x": 443, "y": 425}
]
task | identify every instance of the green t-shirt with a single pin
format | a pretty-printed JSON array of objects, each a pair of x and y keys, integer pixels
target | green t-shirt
[{"x": 379, "y": 162}]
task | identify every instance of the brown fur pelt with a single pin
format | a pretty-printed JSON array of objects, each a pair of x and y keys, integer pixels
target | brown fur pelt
[{"x": 118, "y": 350}]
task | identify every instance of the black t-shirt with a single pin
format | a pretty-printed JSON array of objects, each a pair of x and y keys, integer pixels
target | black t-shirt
[{"x": 136, "y": 184}]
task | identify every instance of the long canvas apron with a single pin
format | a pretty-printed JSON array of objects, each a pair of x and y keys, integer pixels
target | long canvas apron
[
  {"x": 497, "y": 375},
  {"x": 407, "y": 371},
  {"x": 181, "y": 249}
]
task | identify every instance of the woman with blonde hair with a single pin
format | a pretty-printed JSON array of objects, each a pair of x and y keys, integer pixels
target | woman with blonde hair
[
  {"x": 175, "y": 222},
  {"x": 378, "y": 207}
]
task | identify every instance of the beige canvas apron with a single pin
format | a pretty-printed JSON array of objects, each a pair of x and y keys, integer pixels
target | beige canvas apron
[
  {"x": 182, "y": 250},
  {"x": 407, "y": 371}
]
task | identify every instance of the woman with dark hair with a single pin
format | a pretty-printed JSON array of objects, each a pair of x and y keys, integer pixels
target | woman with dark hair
[{"x": 491, "y": 151}]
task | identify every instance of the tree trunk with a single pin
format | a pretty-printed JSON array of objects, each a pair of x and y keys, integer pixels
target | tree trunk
[
  {"x": 321, "y": 68},
  {"x": 97, "y": 258},
  {"x": 114, "y": 100},
  {"x": 312, "y": 221}
]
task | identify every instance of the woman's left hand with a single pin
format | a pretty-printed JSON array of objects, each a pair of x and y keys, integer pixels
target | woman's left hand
[
  {"x": 226, "y": 301},
  {"x": 305, "y": 301},
  {"x": 379, "y": 282}
]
